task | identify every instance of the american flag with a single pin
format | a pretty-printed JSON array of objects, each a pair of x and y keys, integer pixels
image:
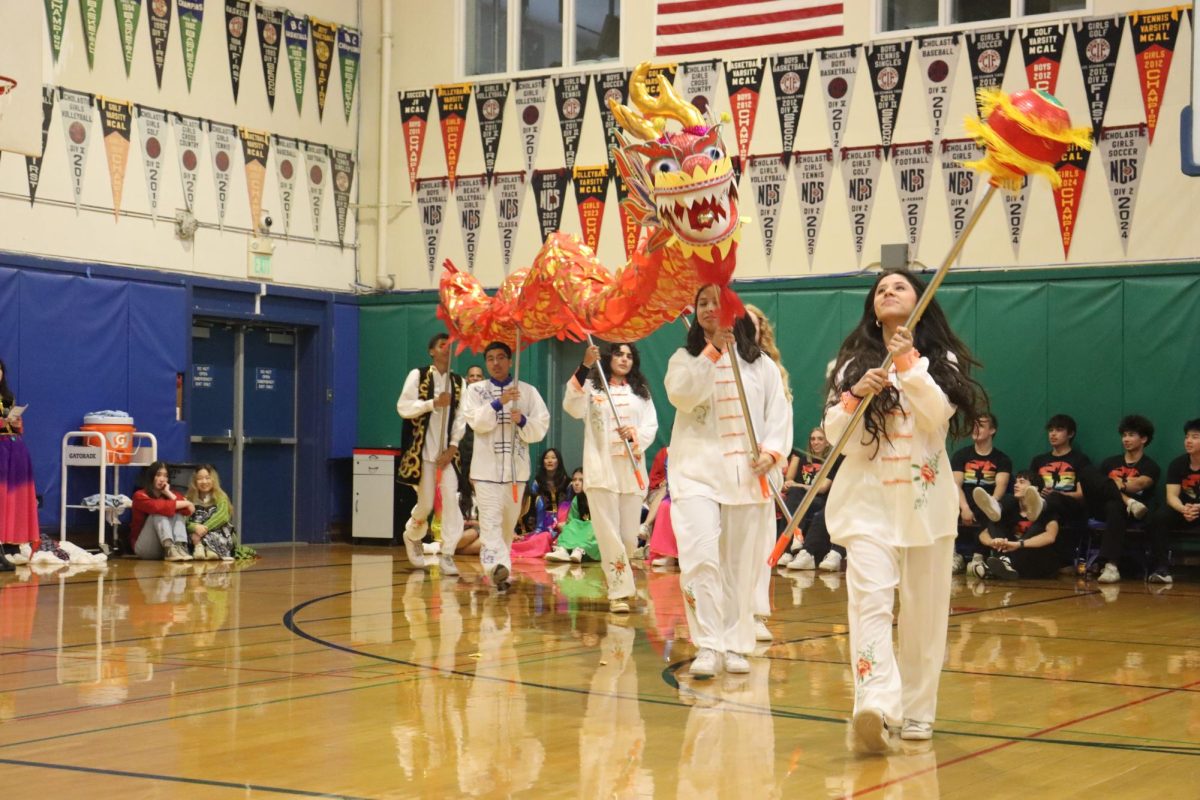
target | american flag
[{"x": 686, "y": 27}]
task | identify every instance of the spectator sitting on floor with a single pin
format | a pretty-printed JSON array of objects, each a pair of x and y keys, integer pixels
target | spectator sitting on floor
[
  {"x": 1182, "y": 509},
  {"x": 978, "y": 465},
  {"x": 160, "y": 513},
  {"x": 1024, "y": 547},
  {"x": 578, "y": 539},
  {"x": 1124, "y": 489}
]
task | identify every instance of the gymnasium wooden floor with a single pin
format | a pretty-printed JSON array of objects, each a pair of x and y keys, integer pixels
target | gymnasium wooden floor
[{"x": 339, "y": 672}]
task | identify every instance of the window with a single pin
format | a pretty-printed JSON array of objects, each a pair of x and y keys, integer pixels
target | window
[
  {"x": 502, "y": 36},
  {"x": 902, "y": 15}
]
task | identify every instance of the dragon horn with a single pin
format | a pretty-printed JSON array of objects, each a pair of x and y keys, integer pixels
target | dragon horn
[{"x": 655, "y": 111}]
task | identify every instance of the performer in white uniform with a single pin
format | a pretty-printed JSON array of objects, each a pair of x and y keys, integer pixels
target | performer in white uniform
[
  {"x": 894, "y": 505},
  {"x": 612, "y": 486},
  {"x": 506, "y": 418},
  {"x": 718, "y": 503},
  {"x": 433, "y": 428}
]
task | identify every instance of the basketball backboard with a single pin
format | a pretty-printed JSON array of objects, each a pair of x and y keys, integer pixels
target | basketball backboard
[{"x": 21, "y": 45}]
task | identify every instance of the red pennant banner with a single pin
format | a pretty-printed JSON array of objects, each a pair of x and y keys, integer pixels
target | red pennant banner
[
  {"x": 1154, "y": 34},
  {"x": 591, "y": 189},
  {"x": 1072, "y": 169},
  {"x": 631, "y": 232},
  {"x": 1042, "y": 48},
  {"x": 452, "y": 111},
  {"x": 414, "y": 116},
  {"x": 743, "y": 80}
]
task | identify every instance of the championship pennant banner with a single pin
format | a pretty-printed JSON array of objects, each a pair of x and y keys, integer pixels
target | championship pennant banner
[
  {"x": 270, "y": 32},
  {"x": 789, "y": 74},
  {"x": 591, "y": 189},
  {"x": 888, "y": 64},
  {"x": 697, "y": 83},
  {"x": 838, "y": 67},
  {"x": 549, "y": 190},
  {"x": 76, "y": 115},
  {"x": 743, "y": 80},
  {"x": 1042, "y": 48},
  {"x": 116, "y": 121},
  {"x": 961, "y": 181},
  {"x": 570, "y": 98},
  {"x": 1123, "y": 148},
  {"x": 768, "y": 178},
  {"x": 256, "y": 146},
  {"x": 1072, "y": 169},
  {"x": 452, "y": 111},
  {"x": 812, "y": 170},
  {"x": 860, "y": 169},
  {"x": 988, "y": 52},
  {"x": 938, "y": 58},
  {"x": 1154, "y": 34},
  {"x": 911, "y": 166},
  {"x": 530, "y": 101},
  {"x": 431, "y": 202},
  {"x": 508, "y": 193},
  {"x": 469, "y": 194},
  {"x": 33, "y": 164},
  {"x": 287, "y": 164},
  {"x": 414, "y": 118},
  {"x": 489, "y": 106}
]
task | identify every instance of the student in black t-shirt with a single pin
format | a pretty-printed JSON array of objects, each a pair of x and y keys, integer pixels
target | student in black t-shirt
[
  {"x": 978, "y": 465},
  {"x": 1182, "y": 510},
  {"x": 816, "y": 551},
  {"x": 1123, "y": 489},
  {"x": 1022, "y": 547}
]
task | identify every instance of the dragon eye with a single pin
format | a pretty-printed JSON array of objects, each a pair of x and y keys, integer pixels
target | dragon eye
[
  {"x": 714, "y": 152},
  {"x": 665, "y": 165}
]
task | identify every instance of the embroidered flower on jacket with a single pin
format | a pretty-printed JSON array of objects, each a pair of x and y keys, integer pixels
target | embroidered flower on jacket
[
  {"x": 690, "y": 597},
  {"x": 926, "y": 476}
]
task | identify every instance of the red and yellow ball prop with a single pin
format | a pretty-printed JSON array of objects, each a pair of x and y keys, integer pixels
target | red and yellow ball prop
[{"x": 1025, "y": 133}]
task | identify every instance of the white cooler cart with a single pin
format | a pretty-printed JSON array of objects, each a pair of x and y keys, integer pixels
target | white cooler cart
[{"x": 89, "y": 449}]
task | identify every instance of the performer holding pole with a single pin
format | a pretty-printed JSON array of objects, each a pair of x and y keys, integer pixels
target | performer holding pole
[
  {"x": 717, "y": 501},
  {"x": 618, "y": 426}
]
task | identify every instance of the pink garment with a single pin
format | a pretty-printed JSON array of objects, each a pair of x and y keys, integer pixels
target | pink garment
[
  {"x": 535, "y": 545},
  {"x": 662, "y": 540}
]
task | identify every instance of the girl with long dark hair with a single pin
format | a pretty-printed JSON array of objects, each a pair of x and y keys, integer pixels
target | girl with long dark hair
[
  {"x": 18, "y": 498},
  {"x": 158, "y": 531},
  {"x": 717, "y": 498},
  {"x": 612, "y": 482},
  {"x": 894, "y": 504},
  {"x": 546, "y": 504}
]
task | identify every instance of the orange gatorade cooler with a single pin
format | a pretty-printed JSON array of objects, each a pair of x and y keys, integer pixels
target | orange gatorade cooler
[{"x": 117, "y": 431}]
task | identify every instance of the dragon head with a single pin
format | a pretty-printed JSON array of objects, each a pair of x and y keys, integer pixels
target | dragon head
[{"x": 679, "y": 182}]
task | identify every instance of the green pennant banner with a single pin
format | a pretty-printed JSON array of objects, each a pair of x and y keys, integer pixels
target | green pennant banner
[
  {"x": 349, "y": 51},
  {"x": 128, "y": 12},
  {"x": 191, "y": 17},
  {"x": 295, "y": 36},
  {"x": 56, "y": 20},
  {"x": 90, "y": 10},
  {"x": 324, "y": 36}
]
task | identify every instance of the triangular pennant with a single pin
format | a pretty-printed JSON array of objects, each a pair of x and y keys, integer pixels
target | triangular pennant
[
  {"x": 489, "y": 106},
  {"x": 529, "y": 97},
  {"x": 349, "y": 45},
  {"x": 838, "y": 66},
  {"x": 549, "y": 193},
  {"x": 270, "y": 31},
  {"x": 960, "y": 181},
  {"x": 256, "y": 146},
  {"x": 570, "y": 98},
  {"x": 508, "y": 193},
  {"x": 189, "y": 137},
  {"x": 860, "y": 169},
  {"x": 221, "y": 139},
  {"x": 295, "y": 39},
  {"x": 1154, "y": 34},
  {"x": 76, "y": 115},
  {"x": 237, "y": 19},
  {"x": 152, "y": 122},
  {"x": 324, "y": 37},
  {"x": 666, "y": 70},
  {"x": 789, "y": 74},
  {"x": 287, "y": 164},
  {"x": 743, "y": 80},
  {"x": 888, "y": 64},
  {"x": 631, "y": 231},
  {"x": 316, "y": 163},
  {"x": 988, "y": 53},
  {"x": 1072, "y": 169},
  {"x": 128, "y": 12},
  {"x": 1098, "y": 42},
  {"x": 89, "y": 11},
  {"x": 56, "y": 22},
  {"x": 191, "y": 19},
  {"x": 1124, "y": 151},
  {"x": 470, "y": 192},
  {"x": 453, "y": 105},
  {"x": 1015, "y": 204},
  {"x": 768, "y": 177},
  {"x": 33, "y": 164},
  {"x": 911, "y": 167},
  {"x": 343, "y": 180},
  {"x": 160, "y": 31},
  {"x": 812, "y": 170},
  {"x": 414, "y": 118},
  {"x": 1042, "y": 48},
  {"x": 698, "y": 83},
  {"x": 431, "y": 201},
  {"x": 614, "y": 87},
  {"x": 938, "y": 57},
  {"x": 591, "y": 191}
]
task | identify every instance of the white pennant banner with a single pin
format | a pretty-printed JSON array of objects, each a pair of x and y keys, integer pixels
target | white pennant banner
[
  {"x": 768, "y": 177},
  {"x": 189, "y": 139},
  {"x": 938, "y": 57},
  {"x": 222, "y": 139},
  {"x": 470, "y": 191},
  {"x": 838, "y": 66},
  {"x": 696, "y": 83},
  {"x": 316, "y": 166},
  {"x": 860, "y": 169},
  {"x": 508, "y": 192},
  {"x": 151, "y": 123},
  {"x": 811, "y": 171},
  {"x": 529, "y": 98},
  {"x": 431, "y": 202},
  {"x": 960, "y": 181},
  {"x": 76, "y": 112},
  {"x": 287, "y": 164},
  {"x": 911, "y": 164},
  {"x": 1124, "y": 151},
  {"x": 1015, "y": 204}
]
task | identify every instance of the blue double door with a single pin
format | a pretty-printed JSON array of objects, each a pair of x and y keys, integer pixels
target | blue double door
[{"x": 243, "y": 422}]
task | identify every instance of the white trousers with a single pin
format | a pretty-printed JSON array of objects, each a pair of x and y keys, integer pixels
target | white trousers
[
  {"x": 762, "y": 572},
  {"x": 615, "y": 519},
  {"x": 498, "y": 514},
  {"x": 718, "y": 551},
  {"x": 452, "y": 520},
  {"x": 901, "y": 686}
]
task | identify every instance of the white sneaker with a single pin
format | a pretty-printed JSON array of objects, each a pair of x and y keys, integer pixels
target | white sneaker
[
  {"x": 1137, "y": 509},
  {"x": 577, "y": 555},
  {"x": 663, "y": 561},
  {"x": 413, "y": 546},
  {"x": 736, "y": 663},
  {"x": 619, "y": 606},
  {"x": 987, "y": 504},
  {"x": 706, "y": 664},
  {"x": 802, "y": 560},
  {"x": 914, "y": 730},
  {"x": 1109, "y": 574},
  {"x": 761, "y": 632},
  {"x": 432, "y": 548},
  {"x": 1031, "y": 503},
  {"x": 832, "y": 562},
  {"x": 785, "y": 559},
  {"x": 958, "y": 565},
  {"x": 448, "y": 566},
  {"x": 870, "y": 731},
  {"x": 558, "y": 554}
]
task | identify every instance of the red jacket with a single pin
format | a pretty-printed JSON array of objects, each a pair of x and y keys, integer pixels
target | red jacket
[{"x": 143, "y": 506}]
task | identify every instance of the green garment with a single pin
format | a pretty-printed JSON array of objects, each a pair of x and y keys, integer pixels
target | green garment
[
  {"x": 221, "y": 516},
  {"x": 578, "y": 532}
]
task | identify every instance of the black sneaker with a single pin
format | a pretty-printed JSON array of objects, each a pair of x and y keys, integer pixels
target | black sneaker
[
  {"x": 1001, "y": 567},
  {"x": 1160, "y": 575},
  {"x": 500, "y": 578}
]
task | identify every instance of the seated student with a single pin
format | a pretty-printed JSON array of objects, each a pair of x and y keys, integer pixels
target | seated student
[
  {"x": 978, "y": 465},
  {"x": 1182, "y": 509},
  {"x": 160, "y": 514},
  {"x": 578, "y": 539},
  {"x": 544, "y": 508},
  {"x": 817, "y": 551},
  {"x": 1024, "y": 547},
  {"x": 1123, "y": 489},
  {"x": 662, "y": 550},
  {"x": 210, "y": 526}
]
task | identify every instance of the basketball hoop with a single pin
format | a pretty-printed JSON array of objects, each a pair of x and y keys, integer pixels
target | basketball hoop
[{"x": 7, "y": 85}]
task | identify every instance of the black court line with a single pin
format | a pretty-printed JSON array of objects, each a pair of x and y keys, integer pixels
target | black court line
[{"x": 153, "y": 776}]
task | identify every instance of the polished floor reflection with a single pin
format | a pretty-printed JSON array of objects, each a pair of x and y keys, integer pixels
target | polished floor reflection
[{"x": 340, "y": 672}]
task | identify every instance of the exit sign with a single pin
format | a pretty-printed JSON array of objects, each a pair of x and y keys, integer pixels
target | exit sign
[{"x": 259, "y": 259}]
